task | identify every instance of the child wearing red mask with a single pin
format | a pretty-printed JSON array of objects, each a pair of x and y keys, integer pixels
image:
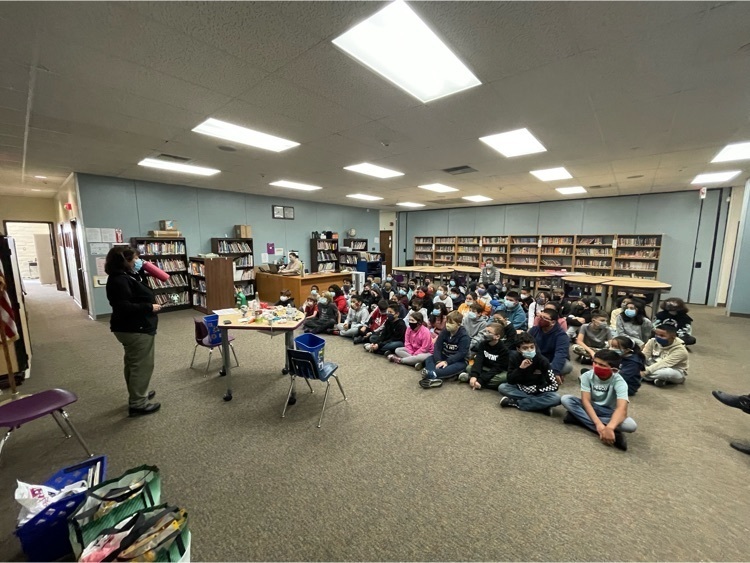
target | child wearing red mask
[{"x": 603, "y": 405}]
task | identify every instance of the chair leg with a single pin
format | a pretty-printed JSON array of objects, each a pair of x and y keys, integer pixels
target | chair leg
[
  {"x": 64, "y": 430},
  {"x": 286, "y": 402},
  {"x": 325, "y": 398},
  {"x": 193, "y": 360},
  {"x": 5, "y": 439},
  {"x": 340, "y": 387},
  {"x": 310, "y": 386},
  {"x": 208, "y": 364},
  {"x": 75, "y": 432},
  {"x": 234, "y": 354}
]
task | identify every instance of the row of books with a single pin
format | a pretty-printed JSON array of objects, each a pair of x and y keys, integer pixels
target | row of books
[
  {"x": 468, "y": 240},
  {"x": 444, "y": 248},
  {"x": 524, "y": 240},
  {"x": 170, "y": 265},
  {"x": 323, "y": 255},
  {"x": 524, "y": 261},
  {"x": 327, "y": 267},
  {"x": 199, "y": 300},
  {"x": 175, "y": 280},
  {"x": 638, "y": 241},
  {"x": 323, "y": 245},
  {"x": 594, "y": 251},
  {"x": 156, "y": 248},
  {"x": 197, "y": 269},
  {"x": 359, "y": 245},
  {"x": 557, "y": 240},
  {"x": 551, "y": 262},
  {"x": 245, "y": 261},
  {"x": 591, "y": 240},
  {"x": 468, "y": 248},
  {"x": 593, "y": 263},
  {"x": 419, "y": 240},
  {"x": 248, "y": 290},
  {"x": 348, "y": 259},
  {"x": 234, "y": 247},
  {"x": 639, "y": 254},
  {"x": 173, "y": 299},
  {"x": 522, "y": 250},
  {"x": 635, "y": 265},
  {"x": 445, "y": 240},
  {"x": 242, "y": 275},
  {"x": 473, "y": 259},
  {"x": 494, "y": 240},
  {"x": 423, "y": 256},
  {"x": 557, "y": 250},
  {"x": 198, "y": 285}
]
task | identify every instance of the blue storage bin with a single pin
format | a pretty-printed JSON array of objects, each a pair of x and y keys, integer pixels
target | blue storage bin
[
  {"x": 312, "y": 343},
  {"x": 45, "y": 537}
]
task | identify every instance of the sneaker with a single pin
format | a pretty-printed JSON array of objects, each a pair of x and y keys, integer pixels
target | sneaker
[
  {"x": 620, "y": 442},
  {"x": 394, "y": 358},
  {"x": 463, "y": 377},
  {"x": 660, "y": 383},
  {"x": 570, "y": 419},
  {"x": 368, "y": 347},
  {"x": 428, "y": 383},
  {"x": 545, "y": 412},
  {"x": 741, "y": 402},
  {"x": 336, "y": 333},
  {"x": 358, "y": 340},
  {"x": 740, "y": 447},
  {"x": 389, "y": 356},
  {"x": 150, "y": 408},
  {"x": 507, "y": 402},
  {"x": 419, "y": 366}
]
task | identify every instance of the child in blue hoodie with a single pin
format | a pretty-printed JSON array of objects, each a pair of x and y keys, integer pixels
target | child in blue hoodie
[
  {"x": 449, "y": 356},
  {"x": 514, "y": 312},
  {"x": 632, "y": 361}
]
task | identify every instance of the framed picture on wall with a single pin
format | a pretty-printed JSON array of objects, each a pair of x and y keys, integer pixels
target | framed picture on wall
[
  {"x": 289, "y": 213},
  {"x": 277, "y": 211}
]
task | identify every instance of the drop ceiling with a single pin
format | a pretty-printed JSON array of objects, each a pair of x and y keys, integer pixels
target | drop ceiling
[{"x": 633, "y": 97}]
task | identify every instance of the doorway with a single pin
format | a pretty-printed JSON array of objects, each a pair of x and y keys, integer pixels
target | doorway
[
  {"x": 386, "y": 247},
  {"x": 35, "y": 247},
  {"x": 75, "y": 266}
]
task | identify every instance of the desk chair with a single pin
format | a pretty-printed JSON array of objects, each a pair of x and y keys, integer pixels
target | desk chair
[
  {"x": 202, "y": 338},
  {"x": 14, "y": 414},
  {"x": 304, "y": 364}
]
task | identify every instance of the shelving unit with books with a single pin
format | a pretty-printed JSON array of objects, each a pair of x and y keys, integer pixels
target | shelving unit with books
[
  {"x": 423, "y": 251},
  {"x": 496, "y": 248},
  {"x": 324, "y": 254},
  {"x": 468, "y": 251},
  {"x": 523, "y": 252},
  {"x": 637, "y": 256},
  {"x": 241, "y": 252},
  {"x": 445, "y": 250},
  {"x": 349, "y": 258},
  {"x": 169, "y": 254},
  {"x": 556, "y": 252},
  {"x": 593, "y": 254},
  {"x": 211, "y": 283}
]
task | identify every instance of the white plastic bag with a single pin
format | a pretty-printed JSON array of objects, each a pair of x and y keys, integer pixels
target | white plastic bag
[{"x": 35, "y": 498}]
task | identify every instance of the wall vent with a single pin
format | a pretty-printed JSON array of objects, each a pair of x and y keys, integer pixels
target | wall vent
[
  {"x": 456, "y": 170},
  {"x": 452, "y": 201},
  {"x": 173, "y": 158}
]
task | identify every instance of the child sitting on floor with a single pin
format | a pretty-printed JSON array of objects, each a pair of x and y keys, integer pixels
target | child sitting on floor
[
  {"x": 310, "y": 308},
  {"x": 474, "y": 322},
  {"x": 632, "y": 362},
  {"x": 513, "y": 310},
  {"x": 531, "y": 385},
  {"x": 437, "y": 319},
  {"x": 442, "y": 296},
  {"x": 490, "y": 367},
  {"x": 634, "y": 323},
  {"x": 592, "y": 337},
  {"x": 675, "y": 309},
  {"x": 666, "y": 356},
  {"x": 392, "y": 335},
  {"x": 328, "y": 315},
  {"x": 374, "y": 322},
  {"x": 417, "y": 343},
  {"x": 285, "y": 299},
  {"x": 449, "y": 355},
  {"x": 356, "y": 318}
]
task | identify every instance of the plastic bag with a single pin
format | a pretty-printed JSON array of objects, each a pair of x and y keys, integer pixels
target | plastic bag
[{"x": 35, "y": 498}]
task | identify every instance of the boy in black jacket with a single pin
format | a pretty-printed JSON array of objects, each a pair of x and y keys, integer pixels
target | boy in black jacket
[
  {"x": 490, "y": 367},
  {"x": 392, "y": 335},
  {"x": 531, "y": 383},
  {"x": 449, "y": 356}
]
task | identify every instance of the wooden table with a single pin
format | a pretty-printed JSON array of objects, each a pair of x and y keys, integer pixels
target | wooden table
[
  {"x": 407, "y": 269},
  {"x": 524, "y": 275},
  {"x": 438, "y": 271},
  {"x": 269, "y": 286},
  {"x": 285, "y": 327},
  {"x": 467, "y": 269},
  {"x": 594, "y": 281},
  {"x": 635, "y": 283}
]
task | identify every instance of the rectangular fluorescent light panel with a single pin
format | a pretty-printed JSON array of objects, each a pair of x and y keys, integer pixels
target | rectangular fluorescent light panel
[
  {"x": 514, "y": 143},
  {"x": 400, "y": 47},
  {"x": 373, "y": 170},
  {"x": 177, "y": 167},
  {"x": 735, "y": 151},
  {"x": 572, "y": 190},
  {"x": 243, "y": 135},
  {"x": 410, "y": 204},
  {"x": 477, "y": 198},
  {"x": 365, "y": 197},
  {"x": 295, "y": 185},
  {"x": 439, "y": 188},
  {"x": 552, "y": 174},
  {"x": 715, "y": 177}
]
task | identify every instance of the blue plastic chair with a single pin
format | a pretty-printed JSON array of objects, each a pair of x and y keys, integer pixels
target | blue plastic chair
[
  {"x": 209, "y": 339},
  {"x": 304, "y": 364}
]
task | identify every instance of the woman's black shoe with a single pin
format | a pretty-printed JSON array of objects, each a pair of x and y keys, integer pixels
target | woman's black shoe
[
  {"x": 151, "y": 395},
  {"x": 151, "y": 408}
]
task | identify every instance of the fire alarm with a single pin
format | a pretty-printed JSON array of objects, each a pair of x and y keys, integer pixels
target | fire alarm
[{"x": 68, "y": 206}]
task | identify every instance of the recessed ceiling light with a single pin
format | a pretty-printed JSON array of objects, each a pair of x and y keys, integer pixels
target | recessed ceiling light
[
  {"x": 477, "y": 198},
  {"x": 514, "y": 143},
  {"x": 399, "y": 46},
  {"x": 410, "y": 204},
  {"x": 572, "y": 190},
  {"x": 41, "y": 177},
  {"x": 176, "y": 167},
  {"x": 735, "y": 151},
  {"x": 440, "y": 188},
  {"x": 714, "y": 177},
  {"x": 231, "y": 132},
  {"x": 295, "y": 185},
  {"x": 365, "y": 197},
  {"x": 552, "y": 174},
  {"x": 35, "y": 190},
  {"x": 373, "y": 170}
]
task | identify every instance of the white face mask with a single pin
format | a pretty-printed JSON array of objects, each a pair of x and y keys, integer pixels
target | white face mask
[{"x": 283, "y": 298}]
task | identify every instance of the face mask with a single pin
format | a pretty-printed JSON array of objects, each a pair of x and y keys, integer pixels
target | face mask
[
  {"x": 439, "y": 293},
  {"x": 453, "y": 283},
  {"x": 524, "y": 296},
  {"x": 509, "y": 304},
  {"x": 541, "y": 300},
  {"x": 420, "y": 294},
  {"x": 402, "y": 292},
  {"x": 413, "y": 326},
  {"x": 452, "y": 327},
  {"x": 390, "y": 316},
  {"x": 630, "y": 313},
  {"x": 322, "y": 301},
  {"x": 602, "y": 372},
  {"x": 454, "y": 295},
  {"x": 314, "y": 291},
  {"x": 481, "y": 291},
  {"x": 389, "y": 278},
  {"x": 435, "y": 312},
  {"x": 472, "y": 315},
  {"x": 137, "y": 265},
  {"x": 592, "y": 305},
  {"x": 412, "y": 286},
  {"x": 661, "y": 341},
  {"x": 488, "y": 265},
  {"x": 544, "y": 323},
  {"x": 469, "y": 302},
  {"x": 283, "y": 298},
  {"x": 617, "y": 351},
  {"x": 529, "y": 354}
]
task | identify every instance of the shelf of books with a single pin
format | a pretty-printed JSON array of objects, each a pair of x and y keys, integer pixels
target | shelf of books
[
  {"x": 424, "y": 248},
  {"x": 637, "y": 256},
  {"x": 523, "y": 252},
  {"x": 241, "y": 252},
  {"x": 324, "y": 254},
  {"x": 169, "y": 254},
  {"x": 211, "y": 283},
  {"x": 468, "y": 251},
  {"x": 593, "y": 254},
  {"x": 445, "y": 251},
  {"x": 495, "y": 248},
  {"x": 348, "y": 258}
]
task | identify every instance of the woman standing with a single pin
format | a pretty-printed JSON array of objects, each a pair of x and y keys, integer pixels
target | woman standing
[{"x": 134, "y": 323}]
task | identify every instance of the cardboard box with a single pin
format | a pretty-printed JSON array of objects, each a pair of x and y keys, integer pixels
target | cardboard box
[
  {"x": 243, "y": 231},
  {"x": 167, "y": 225},
  {"x": 164, "y": 234}
]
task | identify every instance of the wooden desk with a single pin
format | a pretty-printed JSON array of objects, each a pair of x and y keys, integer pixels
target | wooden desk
[
  {"x": 467, "y": 269},
  {"x": 634, "y": 283},
  {"x": 271, "y": 285},
  {"x": 285, "y": 327}
]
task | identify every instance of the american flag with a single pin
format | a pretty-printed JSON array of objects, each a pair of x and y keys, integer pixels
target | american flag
[{"x": 6, "y": 310}]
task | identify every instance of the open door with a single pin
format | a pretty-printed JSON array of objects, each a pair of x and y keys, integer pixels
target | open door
[
  {"x": 75, "y": 267},
  {"x": 386, "y": 247}
]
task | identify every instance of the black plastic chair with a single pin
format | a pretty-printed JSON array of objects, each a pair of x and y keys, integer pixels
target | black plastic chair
[{"x": 304, "y": 364}]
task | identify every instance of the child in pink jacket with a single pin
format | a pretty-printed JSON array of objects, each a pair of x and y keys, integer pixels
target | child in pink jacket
[{"x": 417, "y": 343}]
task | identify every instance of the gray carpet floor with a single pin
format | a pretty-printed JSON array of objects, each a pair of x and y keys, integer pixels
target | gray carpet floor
[{"x": 396, "y": 472}]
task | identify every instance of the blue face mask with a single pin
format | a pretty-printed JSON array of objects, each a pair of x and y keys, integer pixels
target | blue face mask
[
  {"x": 439, "y": 293},
  {"x": 630, "y": 313},
  {"x": 322, "y": 301},
  {"x": 314, "y": 291},
  {"x": 617, "y": 351},
  {"x": 390, "y": 316},
  {"x": 452, "y": 283},
  {"x": 509, "y": 304},
  {"x": 661, "y": 341},
  {"x": 138, "y": 265},
  {"x": 389, "y": 279},
  {"x": 436, "y": 312},
  {"x": 472, "y": 315},
  {"x": 402, "y": 292},
  {"x": 529, "y": 354}
]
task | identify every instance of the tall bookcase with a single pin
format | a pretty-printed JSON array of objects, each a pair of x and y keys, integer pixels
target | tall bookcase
[
  {"x": 496, "y": 249},
  {"x": 349, "y": 258},
  {"x": 424, "y": 248},
  {"x": 556, "y": 252},
  {"x": 468, "y": 251},
  {"x": 593, "y": 254},
  {"x": 211, "y": 283},
  {"x": 324, "y": 254},
  {"x": 523, "y": 253},
  {"x": 170, "y": 255},
  {"x": 637, "y": 256},
  {"x": 445, "y": 251},
  {"x": 241, "y": 252}
]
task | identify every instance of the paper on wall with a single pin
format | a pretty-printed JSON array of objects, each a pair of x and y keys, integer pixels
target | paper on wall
[
  {"x": 93, "y": 235},
  {"x": 279, "y": 252},
  {"x": 264, "y": 258},
  {"x": 100, "y": 248},
  {"x": 109, "y": 235},
  {"x": 100, "y": 266}
]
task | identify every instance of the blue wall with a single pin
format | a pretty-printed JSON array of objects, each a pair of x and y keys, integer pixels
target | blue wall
[
  {"x": 136, "y": 207},
  {"x": 676, "y": 216}
]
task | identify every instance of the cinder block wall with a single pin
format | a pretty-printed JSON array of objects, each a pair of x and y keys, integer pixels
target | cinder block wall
[{"x": 24, "y": 233}]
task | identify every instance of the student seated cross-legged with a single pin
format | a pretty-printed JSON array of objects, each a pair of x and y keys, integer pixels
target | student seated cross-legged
[
  {"x": 675, "y": 309},
  {"x": 632, "y": 361},
  {"x": 634, "y": 323},
  {"x": 327, "y": 318},
  {"x": 449, "y": 355},
  {"x": 603, "y": 405},
  {"x": 436, "y": 320},
  {"x": 310, "y": 308},
  {"x": 552, "y": 343},
  {"x": 474, "y": 323},
  {"x": 593, "y": 336},
  {"x": 356, "y": 318},
  {"x": 513, "y": 310},
  {"x": 457, "y": 296},
  {"x": 442, "y": 296},
  {"x": 666, "y": 356},
  {"x": 490, "y": 367},
  {"x": 417, "y": 346},
  {"x": 375, "y": 323},
  {"x": 392, "y": 335},
  {"x": 509, "y": 332},
  {"x": 531, "y": 384}
]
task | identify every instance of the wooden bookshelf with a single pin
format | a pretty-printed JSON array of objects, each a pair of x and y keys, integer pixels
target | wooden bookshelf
[
  {"x": 170, "y": 255},
  {"x": 324, "y": 254},
  {"x": 240, "y": 250},
  {"x": 445, "y": 251},
  {"x": 593, "y": 254},
  {"x": 349, "y": 258},
  {"x": 424, "y": 251},
  {"x": 496, "y": 248},
  {"x": 637, "y": 256},
  {"x": 211, "y": 283}
]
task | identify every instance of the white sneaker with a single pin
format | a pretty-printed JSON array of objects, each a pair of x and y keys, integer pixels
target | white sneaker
[
  {"x": 463, "y": 377},
  {"x": 368, "y": 346}
]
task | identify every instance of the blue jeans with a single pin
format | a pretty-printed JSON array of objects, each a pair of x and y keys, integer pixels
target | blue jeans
[
  {"x": 389, "y": 348},
  {"x": 574, "y": 406},
  {"x": 451, "y": 370},
  {"x": 527, "y": 402}
]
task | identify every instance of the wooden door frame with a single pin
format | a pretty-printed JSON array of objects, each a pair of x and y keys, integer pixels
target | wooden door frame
[
  {"x": 388, "y": 253},
  {"x": 55, "y": 259},
  {"x": 79, "y": 264},
  {"x": 61, "y": 227}
]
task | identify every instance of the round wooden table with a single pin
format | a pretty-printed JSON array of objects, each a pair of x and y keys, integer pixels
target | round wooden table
[
  {"x": 407, "y": 269},
  {"x": 467, "y": 269},
  {"x": 654, "y": 286},
  {"x": 594, "y": 281}
]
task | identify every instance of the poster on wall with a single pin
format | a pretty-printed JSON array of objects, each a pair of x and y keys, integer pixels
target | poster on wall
[
  {"x": 93, "y": 235},
  {"x": 98, "y": 248},
  {"x": 109, "y": 235}
]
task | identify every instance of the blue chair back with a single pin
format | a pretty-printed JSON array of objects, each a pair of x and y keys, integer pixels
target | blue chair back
[
  {"x": 303, "y": 364},
  {"x": 212, "y": 325}
]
